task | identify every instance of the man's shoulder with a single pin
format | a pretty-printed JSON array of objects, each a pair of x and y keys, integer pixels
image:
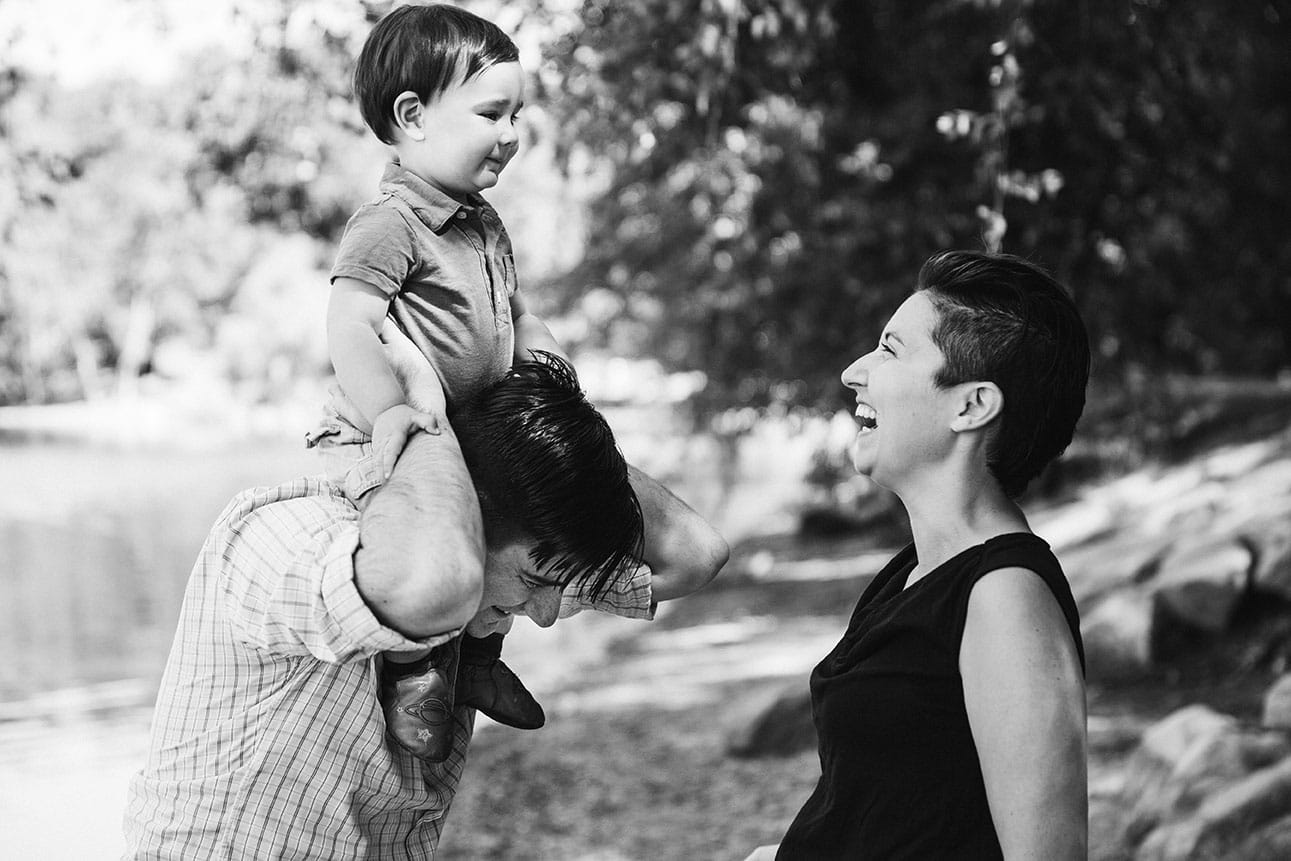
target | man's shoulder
[{"x": 303, "y": 505}]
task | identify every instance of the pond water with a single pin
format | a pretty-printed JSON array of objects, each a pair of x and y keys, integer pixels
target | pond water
[
  {"x": 96, "y": 544},
  {"x": 97, "y": 541}
]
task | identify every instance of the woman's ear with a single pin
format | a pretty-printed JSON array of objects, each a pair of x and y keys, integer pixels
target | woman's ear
[
  {"x": 978, "y": 405},
  {"x": 408, "y": 115}
]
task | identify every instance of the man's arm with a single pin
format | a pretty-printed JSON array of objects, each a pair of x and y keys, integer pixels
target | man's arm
[
  {"x": 420, "y": 561},
  {"x": 683, "y": 550}
]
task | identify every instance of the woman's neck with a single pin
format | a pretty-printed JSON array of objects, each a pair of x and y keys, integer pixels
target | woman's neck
[{"x": 953, "y": 515}]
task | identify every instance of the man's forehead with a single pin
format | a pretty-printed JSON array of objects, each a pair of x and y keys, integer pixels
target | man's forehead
[{"x": 524, "y": 562}]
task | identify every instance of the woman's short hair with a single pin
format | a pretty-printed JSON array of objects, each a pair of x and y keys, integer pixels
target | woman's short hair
[
  {"x": 547, "y": 469},
  {"x": 423, "y": 49},
  {"x": 1004, "y": 320}
]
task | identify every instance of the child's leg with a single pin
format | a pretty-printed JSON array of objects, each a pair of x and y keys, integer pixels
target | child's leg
[
  {"x": 491, "y": 687},
  {"x": 416, "y": 696},
  {"x": 347, "y": 456}
]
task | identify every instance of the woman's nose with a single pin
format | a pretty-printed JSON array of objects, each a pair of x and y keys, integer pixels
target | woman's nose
[
  {"x": 854, "y": 374},
  {"x": 543, "y": 606}
]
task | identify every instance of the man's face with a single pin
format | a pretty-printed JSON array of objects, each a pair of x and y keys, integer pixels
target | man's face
[{"x": 513, "y": 586}]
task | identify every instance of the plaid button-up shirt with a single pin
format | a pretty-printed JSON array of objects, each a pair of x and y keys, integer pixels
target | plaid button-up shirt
[{"x": 268, "y": 740}]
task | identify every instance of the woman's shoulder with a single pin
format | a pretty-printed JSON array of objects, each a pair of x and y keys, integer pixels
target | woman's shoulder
[{"x": 1020, "y": 570}]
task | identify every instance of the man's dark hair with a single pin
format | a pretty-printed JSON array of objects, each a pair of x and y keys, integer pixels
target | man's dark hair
[
  {"x": 423, "y": 49},
  {"x": 546, "y": 468},
  {"x": 1004, "y": 320}
]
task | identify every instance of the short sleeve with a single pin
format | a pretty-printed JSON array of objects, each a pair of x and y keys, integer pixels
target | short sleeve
[
  {"x": 288, "y": 583},
  {"x": 631, "y": 597},
  {"x": 377, "y": 248}
]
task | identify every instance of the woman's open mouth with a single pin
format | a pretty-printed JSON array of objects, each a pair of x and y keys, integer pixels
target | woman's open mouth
[{"x": 866, "y": 417}]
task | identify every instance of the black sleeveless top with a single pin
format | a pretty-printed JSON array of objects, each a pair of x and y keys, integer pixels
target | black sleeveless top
[{"x": 899, "y": 770}]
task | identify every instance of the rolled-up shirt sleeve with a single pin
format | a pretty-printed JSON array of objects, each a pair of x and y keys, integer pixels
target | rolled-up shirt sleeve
[
  {"x": 630, "y": 596},
  {"x": 287, "y": 577}
]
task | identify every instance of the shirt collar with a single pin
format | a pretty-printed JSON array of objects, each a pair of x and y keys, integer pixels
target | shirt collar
[{"x": 432, "y": 206}]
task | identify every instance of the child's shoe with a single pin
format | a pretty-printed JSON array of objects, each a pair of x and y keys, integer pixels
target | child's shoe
[
  {"x": 487, "y": 684},
  {"x": 417, "y": 699}
]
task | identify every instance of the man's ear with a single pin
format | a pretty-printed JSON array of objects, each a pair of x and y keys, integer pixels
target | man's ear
[
  {"x": 408, "y": 115},
  {"x": 977, "y": 405}
]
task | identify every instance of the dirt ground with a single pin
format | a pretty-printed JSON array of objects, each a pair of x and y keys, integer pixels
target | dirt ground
[{"x": 632, "y": 764}]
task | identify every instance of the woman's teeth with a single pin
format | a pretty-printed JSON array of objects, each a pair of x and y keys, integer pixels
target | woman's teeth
[{"x": 867, "y": 417}]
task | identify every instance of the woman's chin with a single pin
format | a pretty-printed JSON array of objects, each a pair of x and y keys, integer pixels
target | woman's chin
[{"x": 862, "y": 454}]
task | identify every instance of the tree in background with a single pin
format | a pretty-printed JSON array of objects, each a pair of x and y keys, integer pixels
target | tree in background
[
  {"x": 767, "y": 176},
  {"x": 779, "y": 168},
  {"x": 182, "y": 223}
]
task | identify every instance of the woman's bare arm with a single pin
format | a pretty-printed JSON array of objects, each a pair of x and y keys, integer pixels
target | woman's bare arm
[{"x": 1025, "y": 696}]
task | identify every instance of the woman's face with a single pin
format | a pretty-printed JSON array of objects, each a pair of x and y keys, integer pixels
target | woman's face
[{"x": 904, "y": 417}]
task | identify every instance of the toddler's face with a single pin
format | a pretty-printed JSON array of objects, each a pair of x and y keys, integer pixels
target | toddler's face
[{"x": 469, "y": 132}]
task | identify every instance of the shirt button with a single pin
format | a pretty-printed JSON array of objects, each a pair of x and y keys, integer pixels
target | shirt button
[{"x": 461, "y": 214}]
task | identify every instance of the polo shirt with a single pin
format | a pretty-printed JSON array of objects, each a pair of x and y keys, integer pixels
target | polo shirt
[{"x": 447, "y": 267}]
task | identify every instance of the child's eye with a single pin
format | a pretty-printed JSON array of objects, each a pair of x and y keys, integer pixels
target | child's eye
[{"x": 491, "y": 116}]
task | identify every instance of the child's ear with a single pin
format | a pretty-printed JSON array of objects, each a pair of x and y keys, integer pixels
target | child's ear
[
  {"x": 977, "y": 405},
  {"x": 408, "y": 115}
]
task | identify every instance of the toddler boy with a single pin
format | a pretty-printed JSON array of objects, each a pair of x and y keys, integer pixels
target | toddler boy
[{"x": 443, "y": 88}]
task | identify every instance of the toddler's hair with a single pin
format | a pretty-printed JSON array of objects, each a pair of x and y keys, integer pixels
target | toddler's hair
[{"x": 424, "y": 49}]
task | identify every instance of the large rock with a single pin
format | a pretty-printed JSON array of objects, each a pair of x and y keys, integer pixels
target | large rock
[
  {"x": 1101, "y": 567},
  {"x": 1271, "y": 539},
  {"x": 776, "y": 722},
  {"x": 1201, "y": 584},
  {"x": 1272, "y": 842},
  {"x": 1117, "y": 633},
  {"x": 1182, "y": 759},
  {"x": 1229, "y": 817},
  {"x": 1277, "y": 704}
]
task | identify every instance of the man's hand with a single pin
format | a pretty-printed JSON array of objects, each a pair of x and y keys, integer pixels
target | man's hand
[{"x": 392, "y": 428}]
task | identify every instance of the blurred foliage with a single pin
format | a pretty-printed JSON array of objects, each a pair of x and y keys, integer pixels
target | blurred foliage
[
  {"x": 780, "y": 168},
  {"x": 767, "y": 177}
]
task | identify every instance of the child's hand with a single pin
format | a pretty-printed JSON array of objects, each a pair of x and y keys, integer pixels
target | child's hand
[{"x": 392, "y": 428}]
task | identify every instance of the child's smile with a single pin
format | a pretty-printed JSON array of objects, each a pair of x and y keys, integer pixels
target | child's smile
[{"x": 468, "y": 133}]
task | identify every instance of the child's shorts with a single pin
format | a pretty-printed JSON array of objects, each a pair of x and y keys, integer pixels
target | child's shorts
[{"x": 347, "y": 456}]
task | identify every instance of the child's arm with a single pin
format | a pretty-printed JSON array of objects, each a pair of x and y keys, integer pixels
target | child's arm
[
  {"x": 531, "y": 333},
  {"x": 355, "y": 314}
]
